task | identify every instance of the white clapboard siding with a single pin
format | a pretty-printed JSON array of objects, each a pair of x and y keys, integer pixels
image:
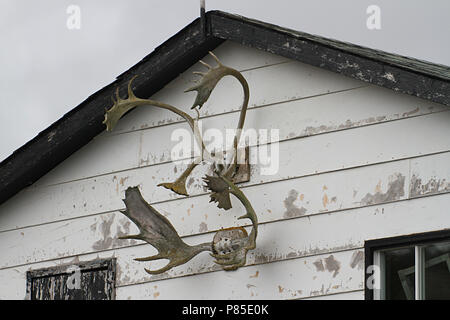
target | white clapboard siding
[
  {"x": 300, "y": 81},
  {"x": 231, "y": 54},
  {"x": 268, "y": 85},
  {"x": 430, "y": 175},
  {"x": 288, "y": 279},
  {"x": 351, "y": 295},
  {"x": 99, "y": 233},
  {"x": 342, "y": 149},
  {"x": 293, "y": 119},
  {"x": 13, "y": 280},
  {"x": 305, "y": 237},
  {"x": 356, "y": 162}
]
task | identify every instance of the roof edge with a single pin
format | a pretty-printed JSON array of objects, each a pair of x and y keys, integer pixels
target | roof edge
[{"x": 80, "y": 125}]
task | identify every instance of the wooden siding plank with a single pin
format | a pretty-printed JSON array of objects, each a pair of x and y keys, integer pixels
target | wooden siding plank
[
  {"x": 304, "y": 236},
  {"x": 13, "y": 280},
  {"x": 284, "y": 280},
  {"x": 299, "y": 81},
  {"x": 352, "y": 295},
  {"x": 412, "y": 137},
  {"x": 430, "y": 175},
  {"x": 286, "y": 198},
  {"x": 293, "y": 119}
]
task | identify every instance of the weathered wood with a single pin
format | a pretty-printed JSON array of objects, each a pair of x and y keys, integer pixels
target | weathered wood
[
  {"x": 351, "y": 295},
  {"x": 78, "y": 127},
  {"x": 430, "y": 175},
  {"x": 97, "y": 282},
  {"x": 293, "y": 119},
  {"x": 107, "y": 153},
  {"x": 345, "y": 161},
  {"x": 290, "y": 279},
  {"x": 102, "y": 194},
  {"x": 299, "y": 81},
  {"x": 305, "y": 235},
  {"x": 419, "y": 78}
]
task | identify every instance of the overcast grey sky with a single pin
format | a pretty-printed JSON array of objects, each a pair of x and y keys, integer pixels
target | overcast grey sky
[{"x": 47, "y": 69}]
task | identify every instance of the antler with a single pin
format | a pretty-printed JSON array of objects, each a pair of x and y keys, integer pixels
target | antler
[
  {"x": 122, "y": 106},
  {"x": 230, "y": 246},
  {"x": 158, "y": 231},
  {"x": 204, "y": 89}
]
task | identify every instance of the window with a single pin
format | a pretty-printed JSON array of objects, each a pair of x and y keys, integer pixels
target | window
[
  {"x": 94, "y": 280},
  {"x": 415, "y": 267}
]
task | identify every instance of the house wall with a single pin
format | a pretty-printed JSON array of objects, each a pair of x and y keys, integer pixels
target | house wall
[{"x": 356, "y": 162}]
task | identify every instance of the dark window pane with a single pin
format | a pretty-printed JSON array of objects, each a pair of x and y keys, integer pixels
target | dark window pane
[
  {"x": 399, "y": 274},
  {"x": 437, "y": 271}
]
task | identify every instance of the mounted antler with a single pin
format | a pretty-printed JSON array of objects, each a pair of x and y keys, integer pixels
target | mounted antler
[
  {"x": 204, "y": 88},
  {"x": 122, "y": 106},
  {"x": 229, "y": 246},
  {"x": 158, "y": 231}
]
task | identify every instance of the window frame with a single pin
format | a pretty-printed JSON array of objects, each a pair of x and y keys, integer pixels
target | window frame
[
  {"x": 416, "y": 240},
  {"x": 109, "y": 264}
]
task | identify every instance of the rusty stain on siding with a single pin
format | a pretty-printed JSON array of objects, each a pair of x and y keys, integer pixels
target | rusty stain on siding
[
  {"x": 394, "y": 192},
  {"x": 291, "y": 209},
  {"x": 255, "y": 275},
  {"x": 122, "y": 181},
  {"x": 325, "y": 200}
]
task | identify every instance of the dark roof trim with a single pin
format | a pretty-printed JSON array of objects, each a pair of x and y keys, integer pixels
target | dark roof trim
[
  {"x": 419, "y": 78},
  {"x": 77, "y": 127}
]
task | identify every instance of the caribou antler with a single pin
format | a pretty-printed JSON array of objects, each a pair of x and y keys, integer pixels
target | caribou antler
[
  {"x": 204, "y": 88},
  {"x": 230, "y": 246},
  {"x": 122, "y": 106},
  {"x": 158, "y": 231}
]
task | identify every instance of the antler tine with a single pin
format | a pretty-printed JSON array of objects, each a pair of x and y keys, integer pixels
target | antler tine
[
  {"x": 199, "y": 73},
  {"x": 163, "y": 269},
  {"x": 151, "y": 258},
  {"x": 205, "y": 64},
  {"x": 215, "y": 58},
  {"x": 130, "y": 91},
  {"x": 117, "y": 94}
]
